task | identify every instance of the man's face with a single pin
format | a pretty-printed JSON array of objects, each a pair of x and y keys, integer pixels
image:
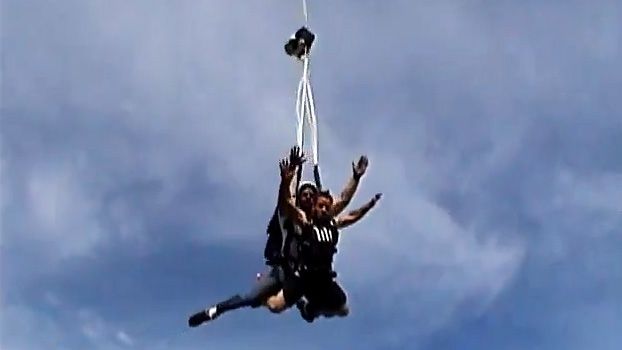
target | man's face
[
  {"x": 306, "y": 198},
  {"x": 322, "y": 207}
]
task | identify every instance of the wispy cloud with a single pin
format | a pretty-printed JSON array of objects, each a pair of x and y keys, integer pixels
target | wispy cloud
[{"x": 124, "y": 338}]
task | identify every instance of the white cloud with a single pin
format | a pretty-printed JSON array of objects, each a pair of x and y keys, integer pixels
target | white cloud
[
  {"x": 124, "y": 338},
  {"x": 100, "y": 333},
  {"x": 63, "y": 212},
  {"x": 163, "y": 90},
  {"x": 52, "y": 299},
  {"x": 600, "y": 192},
  {"x": 24, "y": 328},
  {"x": 91, "y": 325}
]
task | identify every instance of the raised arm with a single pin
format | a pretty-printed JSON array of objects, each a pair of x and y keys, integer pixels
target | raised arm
[
  {"x": 357, "y": 214},
  {"x": 344, "y": 198},
  {"x": 287, "y": 203}
]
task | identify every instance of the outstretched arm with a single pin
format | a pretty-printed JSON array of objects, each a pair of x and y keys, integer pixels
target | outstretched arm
[
  {"x": 274, "y": 225},
  {"x": 287, "y": 203},
  {"x": 357, "y": 214},
  {"x": 358, "y": 170}
]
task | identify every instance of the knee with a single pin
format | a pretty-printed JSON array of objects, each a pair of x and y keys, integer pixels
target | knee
[
  {"x": 254, "y": 300},
  {"x": 275, "y": 305},
  {"x": 275, "y": 310}
]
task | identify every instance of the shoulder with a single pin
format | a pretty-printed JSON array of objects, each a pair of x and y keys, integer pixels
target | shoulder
[{"x": 294, "y": 227}]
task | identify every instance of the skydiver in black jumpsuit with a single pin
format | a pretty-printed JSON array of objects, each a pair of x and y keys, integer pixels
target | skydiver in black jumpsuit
[
  {"x": 318, "y": 236},
  {"x": 279, "y": 246}
]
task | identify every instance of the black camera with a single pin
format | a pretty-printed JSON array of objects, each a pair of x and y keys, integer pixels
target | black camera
[{"x": 300, "y": 43}]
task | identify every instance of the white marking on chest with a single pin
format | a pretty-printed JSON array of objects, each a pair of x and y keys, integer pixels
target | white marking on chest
[{"x": 323, "y": 234}]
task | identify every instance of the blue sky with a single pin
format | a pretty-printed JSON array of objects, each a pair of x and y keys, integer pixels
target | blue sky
[{"x": 139, "y": 155}]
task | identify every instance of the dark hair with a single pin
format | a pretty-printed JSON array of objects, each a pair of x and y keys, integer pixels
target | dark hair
[
  {"x": 324, "y": 193},
  {"x": 304, "y": 186},
  {"x": 307, "y": 185}
]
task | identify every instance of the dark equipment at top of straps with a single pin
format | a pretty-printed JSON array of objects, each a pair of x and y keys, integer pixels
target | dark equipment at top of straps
[
  {"x": 300, "y": 43},
  {"x": 316, "y": 176}
]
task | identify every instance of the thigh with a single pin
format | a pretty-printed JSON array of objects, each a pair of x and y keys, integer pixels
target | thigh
[
  {"x": 329, "y": 296},
  {"x": 337, "y": 297},
  {"x": 293, "y": 290},
  {"x": 269, "y": 283}
]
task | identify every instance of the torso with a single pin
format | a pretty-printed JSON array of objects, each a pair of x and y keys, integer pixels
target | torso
[
  {"x": 318, "y": 246},
  {"x": 281, "y": 246},
  {"x": 308, "y": 248}
]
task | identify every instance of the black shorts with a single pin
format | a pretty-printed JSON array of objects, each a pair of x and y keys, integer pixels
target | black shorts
[
  {"x": 322, "y": 291},
  {"x": 328, "y": 296}
]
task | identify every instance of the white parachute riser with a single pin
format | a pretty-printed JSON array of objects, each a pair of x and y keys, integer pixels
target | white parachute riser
[
  {"x": 302, "y": 111},
  {"x": 312, "y": 118},
  {"x": 305, "y": 12},
  {"x": 305, "y": 102}
]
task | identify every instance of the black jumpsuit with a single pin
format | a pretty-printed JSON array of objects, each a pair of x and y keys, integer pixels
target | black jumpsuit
[{"x": 315, "y": 278}]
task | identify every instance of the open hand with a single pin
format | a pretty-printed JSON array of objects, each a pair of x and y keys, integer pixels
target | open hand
[
  {"x": 296, "y": 156},
  {"x": 358, "y": 169},
  {"x": 376, "y": 198},
  {"x": 285, "y": 167}
]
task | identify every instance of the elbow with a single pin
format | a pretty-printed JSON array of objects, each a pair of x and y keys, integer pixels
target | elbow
[
  {"x": 286, "y": 201},
  {"x": 348, "y": 220},
  {"x": 343, "y": 200},
  {"x": 289, "y": 202}
]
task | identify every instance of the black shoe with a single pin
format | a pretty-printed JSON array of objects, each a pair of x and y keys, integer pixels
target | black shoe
[
  {"x": 202, "y": 316},
  {"x": 304, "y": 313}
]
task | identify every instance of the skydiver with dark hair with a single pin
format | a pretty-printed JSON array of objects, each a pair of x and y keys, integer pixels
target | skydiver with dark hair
[
  {"x": 327, "y": 301},
  {"x": 279, "y": 246},
  {"x": 317, "y": 236}
]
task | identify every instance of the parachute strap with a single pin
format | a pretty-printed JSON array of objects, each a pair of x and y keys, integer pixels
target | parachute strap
[
  {"x": 306, "y": 113},
  {"x": 299, "y": 47},
  {"x": 304, "y": 11}
]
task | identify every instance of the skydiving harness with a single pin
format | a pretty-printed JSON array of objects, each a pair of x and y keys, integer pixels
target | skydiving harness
[
  {"x": 299, "y": 47},
  {"x": 316, "y": 250}
]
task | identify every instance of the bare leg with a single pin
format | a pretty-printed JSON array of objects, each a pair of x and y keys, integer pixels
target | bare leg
[
  {"x": 293, "y": 289},
  {"x": 266, "y": 285},
  {"x": 277, "y": 303}
]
